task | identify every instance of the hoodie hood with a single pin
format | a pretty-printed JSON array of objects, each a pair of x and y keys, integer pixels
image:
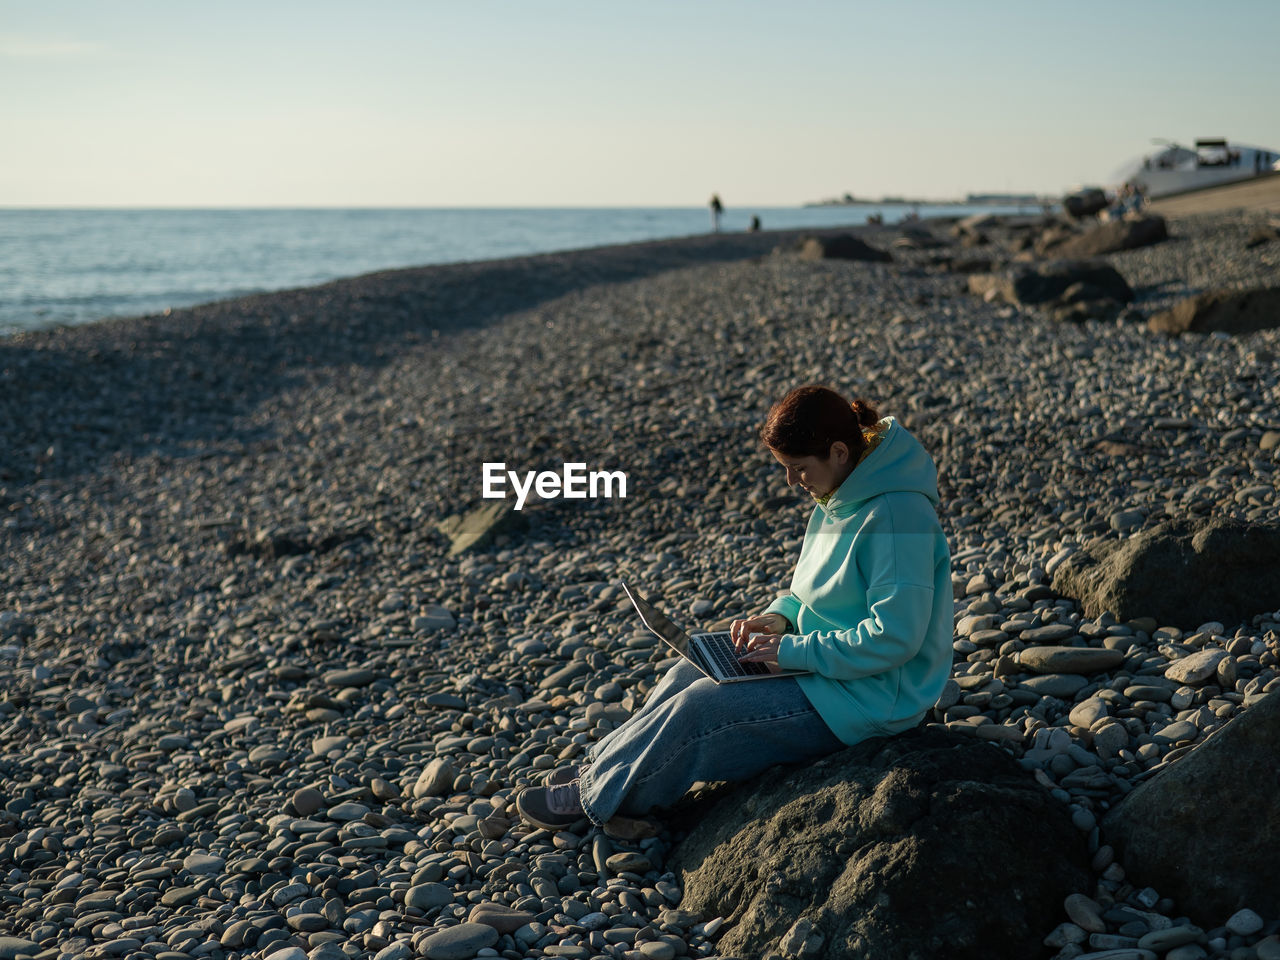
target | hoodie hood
[{"x": 897, "y": 463}]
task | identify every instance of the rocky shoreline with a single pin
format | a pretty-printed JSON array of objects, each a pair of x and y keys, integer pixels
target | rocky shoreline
[{"x": 254, "y": 708}]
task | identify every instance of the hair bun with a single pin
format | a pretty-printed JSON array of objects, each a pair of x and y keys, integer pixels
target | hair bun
[{"x": 867, "y": 415}]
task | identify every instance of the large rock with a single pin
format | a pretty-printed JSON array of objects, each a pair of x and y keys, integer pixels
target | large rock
[
  {"x": 843, "y": 246},
  {"x": 1110, "y": 237},
  {"x": 478, "y": 527},
  {"x": 1203, "y": 830},
  {"x": 979, "y": 223},
  {"x": 1260, "y": 235},
  {"x": 885, "y": 850},
  {"x": 276, "y": 543},
  {"x": 1230, "y": 311},
  {"x": 1053, "y": 235},
  {"x": 1182, "y": 573},
  {"x": 965, "y": 264},
  {"x": 1085, "y": 203},
  {"x": 916, "y": 237},
  {"x": 1026, "y": 285}
]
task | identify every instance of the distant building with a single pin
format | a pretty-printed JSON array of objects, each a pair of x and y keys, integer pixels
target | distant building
[{"x": 1001, "y": 198}]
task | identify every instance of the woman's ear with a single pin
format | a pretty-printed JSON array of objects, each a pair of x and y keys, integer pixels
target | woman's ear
[{"x": 839, "y": 452}]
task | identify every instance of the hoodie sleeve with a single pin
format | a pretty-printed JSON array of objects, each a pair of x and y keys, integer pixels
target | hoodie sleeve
[
  {"x": 900, "y": 574},
  {"x": 788, "y": 606}
]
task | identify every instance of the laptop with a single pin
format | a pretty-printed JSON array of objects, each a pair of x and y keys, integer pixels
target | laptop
[{"x": 712, "y": 653}]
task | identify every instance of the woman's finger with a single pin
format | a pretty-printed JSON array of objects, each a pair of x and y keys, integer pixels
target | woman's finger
[{"x": 761, "y": 648}]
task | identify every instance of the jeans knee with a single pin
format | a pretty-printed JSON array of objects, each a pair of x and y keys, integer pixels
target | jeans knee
[
  {"x": 699, "y": 694},
  {"x": 685, "y": 673}
]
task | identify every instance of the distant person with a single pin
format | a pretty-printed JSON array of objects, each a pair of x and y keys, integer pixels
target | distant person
[
  {"x": 755, "y": 225},
  {"x": 1120, "y": 206},
  {"x": 717, "y": 208},
  {"x": 1130, "y": 200}
]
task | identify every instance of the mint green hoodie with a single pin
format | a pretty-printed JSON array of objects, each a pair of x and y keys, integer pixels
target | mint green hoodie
[{"x": 870, "y": 598}]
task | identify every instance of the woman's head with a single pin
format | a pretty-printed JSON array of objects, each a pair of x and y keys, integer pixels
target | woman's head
[{"x": 817, "y": 436}]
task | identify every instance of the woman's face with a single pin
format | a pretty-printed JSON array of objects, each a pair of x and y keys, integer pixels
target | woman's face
[{"x": 816, "y": 475}]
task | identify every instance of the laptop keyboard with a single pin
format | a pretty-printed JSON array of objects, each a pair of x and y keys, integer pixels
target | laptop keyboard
[{"x": 720, "y": 650}]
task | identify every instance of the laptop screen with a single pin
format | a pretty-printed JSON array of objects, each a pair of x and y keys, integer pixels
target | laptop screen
[{"x": 658, "y": 623}]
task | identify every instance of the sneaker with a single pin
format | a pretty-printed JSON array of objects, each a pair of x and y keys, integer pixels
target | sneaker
[
  {"x": 564, "y": 774},
  {"x": 552, "y": 808}
]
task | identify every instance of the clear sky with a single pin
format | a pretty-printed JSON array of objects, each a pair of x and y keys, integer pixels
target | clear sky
[{"x": 609, "y": 103}]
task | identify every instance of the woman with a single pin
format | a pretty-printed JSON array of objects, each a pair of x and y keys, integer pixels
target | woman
[{"x": 869, "y": 613}]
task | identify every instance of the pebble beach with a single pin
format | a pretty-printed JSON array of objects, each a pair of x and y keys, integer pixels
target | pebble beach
[{"x": 254, "y": 707}]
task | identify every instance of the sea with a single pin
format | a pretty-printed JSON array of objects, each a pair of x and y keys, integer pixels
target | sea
[{"x": 65, "y": 266}]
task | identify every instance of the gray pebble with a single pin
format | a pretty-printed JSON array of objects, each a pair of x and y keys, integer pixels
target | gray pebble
[
  {"x": 458, "y": 943},
  {"x": 1244, "y": 922}
]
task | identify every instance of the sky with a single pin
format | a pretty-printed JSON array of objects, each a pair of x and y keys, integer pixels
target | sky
[{"x": 655, "y": 103}]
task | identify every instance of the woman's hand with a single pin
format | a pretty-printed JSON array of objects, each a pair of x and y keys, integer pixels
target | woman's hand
[
  {"x": 762, "y": 648},
  {"x": 740, "y": 631}
]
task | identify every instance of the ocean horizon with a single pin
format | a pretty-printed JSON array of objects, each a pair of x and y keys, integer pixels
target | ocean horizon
[{"x": 66, "y": 266}]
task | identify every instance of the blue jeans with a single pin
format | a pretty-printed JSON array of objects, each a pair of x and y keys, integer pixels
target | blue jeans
[{"x": 691, "y": 728}]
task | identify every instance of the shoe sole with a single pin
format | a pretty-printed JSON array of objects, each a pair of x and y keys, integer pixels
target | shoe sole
[{"x": 543, "y": 824}]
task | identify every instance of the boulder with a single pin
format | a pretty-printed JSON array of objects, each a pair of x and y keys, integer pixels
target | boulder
[
  {"x": 1230, "y": 311},
  {"x": 916, "y": 237},
  {"x": 278, "y": 543},
  {"x": 1110, "y": 237},
  {"x": 963, "y": 264},
  {"x": 843, "y": 246},
  {"x": 976, "y": 225},
  {"x": 1084, "y": 301},
  {"x": 969, "y": 265},
  {"x": 1181, "y": 572},
  {"x": 1034, "y": 284},
  {"x": 1179, "y": 833},
  {"x": 1260, "y": 235},
  {"x": 879, "y": 851},
  {"x": 1054, "y": 235},
  {"x": 1020, "y": 242},
  {"x": 478, "y": 527},
  {"x": 1085, "y": 203}
]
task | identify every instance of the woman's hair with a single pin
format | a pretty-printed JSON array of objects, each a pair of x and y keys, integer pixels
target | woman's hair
[{"x": 809, "y": 419}]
